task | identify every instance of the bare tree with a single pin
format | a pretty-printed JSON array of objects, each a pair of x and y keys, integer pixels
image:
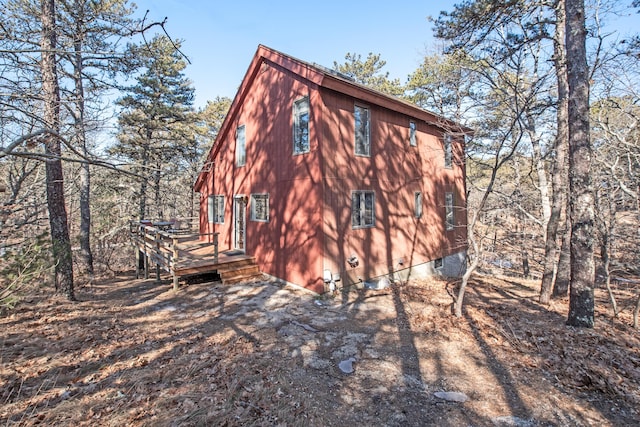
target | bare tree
[{"x": 559, "y": 177}]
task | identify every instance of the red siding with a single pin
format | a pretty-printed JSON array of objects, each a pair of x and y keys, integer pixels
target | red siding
[
  {"x": 289, "y": 246},
  {"x": 310, "y": 229},
  {"x": 394, "y": 171}
]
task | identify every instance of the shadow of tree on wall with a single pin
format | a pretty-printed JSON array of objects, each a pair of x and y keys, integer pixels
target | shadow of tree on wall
[
  {"x": 394, "y": 172},
  {"x": 289, "y": 244},
  {"x": 309, "y": 227}
]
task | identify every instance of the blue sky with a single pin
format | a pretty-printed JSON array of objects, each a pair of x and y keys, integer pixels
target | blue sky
[{"x": 221, "y": 37}]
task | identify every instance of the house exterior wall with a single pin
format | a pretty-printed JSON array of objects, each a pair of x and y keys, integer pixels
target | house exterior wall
[
  {"x": 310, "y": 230},
  {"x": 398, "y": 242},
  {"x": 289, "y": 245}
]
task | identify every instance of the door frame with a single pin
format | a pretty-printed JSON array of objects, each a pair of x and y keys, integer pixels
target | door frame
[{"x": 239, "y": 222}]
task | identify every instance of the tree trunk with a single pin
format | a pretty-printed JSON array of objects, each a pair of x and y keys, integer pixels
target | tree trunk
[
  {"x": 563, "y": 274},
  {"x": 543, "y": 182},
  {"x": 157, "y": 178},
  {"x": 605, "y": 221},
  {"x": 605, "y": 247},
  {"x": 581, "y": 213},
  {"x": 61, "y": 243},
  {"x": 86, "y": 256},
  {"x": 558, "y": 180},
  {"x": 142, "y": 213},
  {"x": 475, "y": 259},
  {"x": 526, "y": 272},
  {"x": 475, "y": 255}
]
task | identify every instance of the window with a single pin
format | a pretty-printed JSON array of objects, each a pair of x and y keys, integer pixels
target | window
[
  {"x": 412, "y": 134},
  {"x": 418, "y": 204},
  {"x": 260, "y": 207},
  {"x": 437, "y": 263},
  {"x": 448, "y": 154},
  {"x": 301, "y": 126},
  {"x": 361, "y": 117},
  {"x": 216, "y": 209},
  {"x": 241, "y": 154},
  {"x": 448, "y": 208},
  {"x": 362, "y": 209}
]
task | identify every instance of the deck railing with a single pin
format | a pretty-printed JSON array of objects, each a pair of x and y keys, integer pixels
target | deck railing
[{"x": 157, "y": 243}]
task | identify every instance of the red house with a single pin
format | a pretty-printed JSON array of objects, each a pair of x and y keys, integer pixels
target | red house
[{"x": 322, "y": 179}]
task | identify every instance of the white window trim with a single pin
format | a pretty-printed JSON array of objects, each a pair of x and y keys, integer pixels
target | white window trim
[
  {"x": 413, "y": 131},
  {"x": 214, "y": 211},
  {"x": 368, "y": 131},
  {"x": 418, "y": 200},
  {"x": 244, "y": 146},
  {"x": 362, "y": 208},
  {"x": 301, "y": 106},
  {"x": 253, "y": 207},
  {"x": 449, "y": 212}
]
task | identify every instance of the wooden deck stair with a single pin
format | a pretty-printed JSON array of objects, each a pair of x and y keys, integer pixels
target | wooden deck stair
[{"x": 239, "y": 270}]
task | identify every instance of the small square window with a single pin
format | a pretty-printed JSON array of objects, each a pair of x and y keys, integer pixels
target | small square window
[
  {"x": 448, "y": 151},
  {"x": 362, "y": 131},
  {"x": 241, "y": 154},
  {"x": 412, "y": 134},
  {"x": 437, "y": 263},
  {"x": 418, "y": 204},
  {"x": 363, "y": 211},
  {"x": 448, "y": 207},
  {"x": 260, "y": 207},
  {"x": 301, "y": 126},
  {"x": 216, "y": 209}
]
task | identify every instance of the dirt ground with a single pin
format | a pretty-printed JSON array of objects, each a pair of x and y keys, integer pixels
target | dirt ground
[{"x": 135, "y": 353}]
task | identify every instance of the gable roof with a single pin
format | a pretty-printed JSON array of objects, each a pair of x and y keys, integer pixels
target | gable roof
[{"x": 322, "y": 77}]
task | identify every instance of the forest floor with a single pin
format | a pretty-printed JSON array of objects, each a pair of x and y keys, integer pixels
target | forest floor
[{"x": 135, "y": 353}]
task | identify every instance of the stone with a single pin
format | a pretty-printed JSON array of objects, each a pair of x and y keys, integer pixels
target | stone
[
  {"x": 451, "y": 396},
  {"x": 346, "y": 366}
]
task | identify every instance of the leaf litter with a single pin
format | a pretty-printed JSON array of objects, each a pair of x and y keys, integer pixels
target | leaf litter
[{"x": 134, "y": 352}]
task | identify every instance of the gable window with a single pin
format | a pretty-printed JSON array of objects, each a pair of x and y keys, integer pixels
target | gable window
[
  {"x": 362, "y": 143},
  {"x": 260, "y": 207},
  {"x": 216, "y": 209},
  {"x": 301, "y": 126},
  {"x": 362, "y": 209},
  {"x": 448, "y": 153},
  {"x": 241, "y": 153},
  {"x": 412, "y": 134},
  {"x": 418, "y": 204},
  {"x": 448, "y": 211}
]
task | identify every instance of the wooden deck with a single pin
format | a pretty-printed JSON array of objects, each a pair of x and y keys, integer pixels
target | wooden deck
[{"x": 184, "y": 255}]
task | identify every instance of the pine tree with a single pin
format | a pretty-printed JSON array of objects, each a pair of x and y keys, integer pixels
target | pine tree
[
  {"x": 369, "y": 73},
  {"x": 581, "y": 202},
  {"x": 87, "y": 32},
  {"x": 55, "y": 180},
  {"x": 155, "y": 114}
]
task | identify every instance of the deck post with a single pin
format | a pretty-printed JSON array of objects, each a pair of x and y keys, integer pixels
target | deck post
[
  {"x": 137, "y": 249},
  {"x": 158, "y": 255},
  {"x": 215, "y": 246},
  {"x": 146, "y": 255},
  {"x": 174, "y": 262}
]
